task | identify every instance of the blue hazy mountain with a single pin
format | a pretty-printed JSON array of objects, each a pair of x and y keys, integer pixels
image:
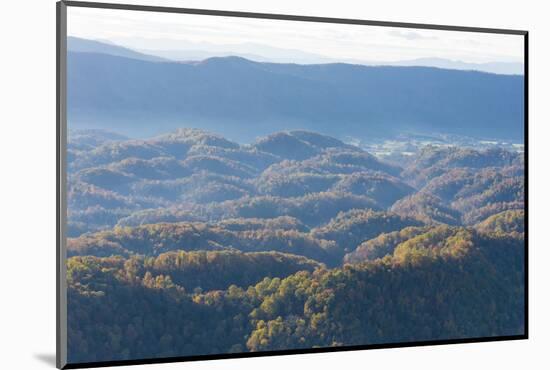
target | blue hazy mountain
[
  {"x": 186, "y": 50},
  {"x": 78, "y": 44},
  {"x": 243, "y": 99},
  {"x": 509, "y": 68}
]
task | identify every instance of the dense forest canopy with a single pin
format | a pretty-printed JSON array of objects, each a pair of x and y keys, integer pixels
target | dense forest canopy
[{"x": 189, "y": 243}]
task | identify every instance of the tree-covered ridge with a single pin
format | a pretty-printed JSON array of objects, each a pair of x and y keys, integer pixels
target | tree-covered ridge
[
  {"x": 511, "y": 221},
  {"x": 446, "y": 282},
  {"x": 349, "y": 229},
  {"x": 189, "y": 243},
  {"x": 193, "y": 271},
  {"x": 152, "y": 240},
  {"x": 432, "y": 161},
  {"x": 420, "y": 293},
  {"x": 427, "y": 208},
  {"x": 382, "y": 245},
  {"x": 507, "y": 224},
  {"x": 311, "y": 209},
  {"x": 193, "y": 175},
  {"x": 327, "y": 244},
  {"x": 112, "y": 180}
]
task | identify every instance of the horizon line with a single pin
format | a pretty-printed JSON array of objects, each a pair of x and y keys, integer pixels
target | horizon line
[{"x": 272, "y": 60}]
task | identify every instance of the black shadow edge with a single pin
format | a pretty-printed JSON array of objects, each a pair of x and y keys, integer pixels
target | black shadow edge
[{"x": 291, "y": 352}]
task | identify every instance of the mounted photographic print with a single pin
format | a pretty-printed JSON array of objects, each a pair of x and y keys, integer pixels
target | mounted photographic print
[{"x": 239, "y": 184}]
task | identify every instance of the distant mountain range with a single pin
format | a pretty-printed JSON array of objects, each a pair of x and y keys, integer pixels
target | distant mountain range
[
  {"x": 506, "y": 68},
  {"x": 242, "y": 99},
  {"x": 197, "y": 51},
  {"x": 77, "y": 44}
]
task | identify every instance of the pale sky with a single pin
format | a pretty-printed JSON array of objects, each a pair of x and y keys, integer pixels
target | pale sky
[{"x": 165, "y": 31}]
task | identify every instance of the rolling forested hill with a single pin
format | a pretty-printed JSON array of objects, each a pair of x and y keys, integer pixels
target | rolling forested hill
[{"x": 188, "y": 243}]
